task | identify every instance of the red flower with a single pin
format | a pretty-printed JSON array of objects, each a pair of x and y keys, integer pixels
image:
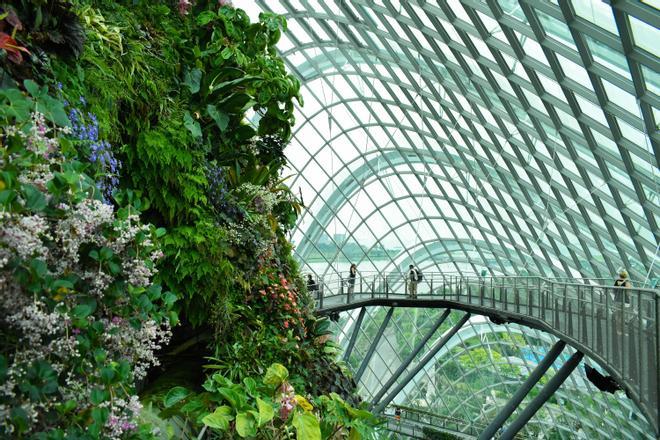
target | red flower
[{"x": 9, "y": 45}]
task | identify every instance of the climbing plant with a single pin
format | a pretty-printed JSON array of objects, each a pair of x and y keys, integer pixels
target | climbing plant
[{"x": 172, "y": 114}]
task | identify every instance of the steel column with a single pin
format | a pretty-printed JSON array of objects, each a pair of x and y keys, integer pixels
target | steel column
[
  {"x": 525, "y": 388},
  {"x": 354, "y": 335},
  {"x": 374, "y": 344},
  {"x": 420, "y": 345},
  {"x": 429, "y": 356},
  {"x": 543, "y": 396}
]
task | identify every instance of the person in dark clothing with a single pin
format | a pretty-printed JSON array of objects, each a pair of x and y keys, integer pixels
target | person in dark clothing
[
  {"x": 623, "y": 281},
  {"x": 352, "y": 274},
  {"x": 311, "y": 284}
]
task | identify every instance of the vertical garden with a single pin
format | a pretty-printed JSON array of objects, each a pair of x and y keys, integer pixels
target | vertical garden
[{"x": 148, "y": 287}]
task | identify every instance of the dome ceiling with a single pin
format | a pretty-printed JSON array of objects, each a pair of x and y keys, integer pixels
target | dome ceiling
[{"x": 520, "y": 137}]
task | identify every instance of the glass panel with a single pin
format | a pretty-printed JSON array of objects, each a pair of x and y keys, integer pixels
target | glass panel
[
  {"x": 596, "y": 12},
  {"x": 645, "y": 35}
]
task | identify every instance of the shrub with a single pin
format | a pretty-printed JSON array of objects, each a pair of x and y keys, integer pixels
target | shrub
[{"x": 79, "y": 315}]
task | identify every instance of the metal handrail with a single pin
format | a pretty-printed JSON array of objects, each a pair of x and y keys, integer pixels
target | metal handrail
[
  {"x": 402, "y": 275},
  {"x": 617, "y": 327}
]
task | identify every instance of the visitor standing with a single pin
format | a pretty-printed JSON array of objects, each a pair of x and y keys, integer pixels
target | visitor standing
[
  {"x": 621, "y": 298},
  {"x": 311, "y": 284},
  {"x": 352, "y": 274},
  {"x": 413, "y": 280}
]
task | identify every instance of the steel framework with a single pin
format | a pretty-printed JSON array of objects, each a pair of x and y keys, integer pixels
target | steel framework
[
  {"x": 520, "y": 137},
  {"x": 540, "y": 117}
]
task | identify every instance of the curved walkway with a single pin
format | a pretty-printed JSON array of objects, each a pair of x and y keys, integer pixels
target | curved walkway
[{"x": 618, "y": 328}]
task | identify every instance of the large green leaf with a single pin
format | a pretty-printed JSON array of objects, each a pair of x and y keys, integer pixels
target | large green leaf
[
  {"x": 266, "y": 412},
  {"x": 18, "y": 105},
  {"x": 53, "y": 110},
  {"x": 276, "y": 374},
  {"x": 175, "y": 395},
  {"x": 192, "y": 79},
  {"x": 250, "y": 386},
  {"x": 246, "y": 425},
  {"x": 219, "y": 419},
  {"x": 231, "y": 396},
  {"x": 206, "y": 17},
  {"x": 82, "y": 311},
  {"x": 237, "y": 103},
  {"x": 192, "y": 125},
  {"x": 307, "y": 426},
  {"x": 35, "y": 200},
  {"x": 32, "y": 88},
  {"x": 221, "y": 119}
]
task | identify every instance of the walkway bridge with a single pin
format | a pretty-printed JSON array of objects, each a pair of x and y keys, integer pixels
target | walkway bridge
[{"x": 616, "y": 327}]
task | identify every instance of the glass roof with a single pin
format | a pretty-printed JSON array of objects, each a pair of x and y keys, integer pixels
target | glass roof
[{"x": 519, "y": 137}]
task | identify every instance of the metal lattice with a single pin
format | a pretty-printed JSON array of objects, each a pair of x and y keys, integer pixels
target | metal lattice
[{"x": 523, "y": 134}]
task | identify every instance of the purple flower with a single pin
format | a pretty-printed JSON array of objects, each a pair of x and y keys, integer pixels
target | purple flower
[
  {"x": 184, "y": 7},
  {"x": 126, "y": 426},
  {"x": 85, "y": 128}
]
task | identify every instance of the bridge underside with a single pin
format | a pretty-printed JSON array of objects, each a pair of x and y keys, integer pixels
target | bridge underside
[{"x": 474, "y": 375}]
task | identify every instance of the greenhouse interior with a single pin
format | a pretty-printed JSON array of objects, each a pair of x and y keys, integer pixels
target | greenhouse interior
[{"x": 329, "y": 219}]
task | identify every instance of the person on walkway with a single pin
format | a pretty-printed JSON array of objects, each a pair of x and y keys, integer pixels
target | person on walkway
[
  {"x": 621, "y": 298},
  {"x": 413, "y": 280},
  {"x": 352, "y": 274},
  {"x": 623, "y": 281},
  {"x": 311, "y": 284}
]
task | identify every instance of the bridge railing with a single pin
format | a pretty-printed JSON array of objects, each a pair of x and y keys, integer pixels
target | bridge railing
[
  {"x": 617, "y": 326},
  {"x": 434, "y": 420}
]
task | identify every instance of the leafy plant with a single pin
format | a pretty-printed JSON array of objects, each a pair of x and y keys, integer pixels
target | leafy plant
[
  {"x": 80, "y": 317},
  {"x": 12, "y": 48},
  {"x": 268, "y": 408},
  {"x": 172, "y": 91},
  {"x": 51, "y": 26}
]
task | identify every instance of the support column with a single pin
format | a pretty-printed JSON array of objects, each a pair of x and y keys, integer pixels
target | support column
[
  {"x": 420, "y": 345},
  {"x": 524, "y": 389},
  {"x": 543, "y": 396},
  {"x": 429, "y": 356},
  {"x": 374, "y": 344},
  {"x": 354, "y": 335}
]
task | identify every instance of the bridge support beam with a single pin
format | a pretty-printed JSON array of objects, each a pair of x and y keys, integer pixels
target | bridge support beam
[
  {"x": 429, "y": 356},
  {"x": 374, "y": 344},
  {"x": 524, "y": 389},
  {"x": 543, "y": 396},
  {"x": 420, "y": 345},
  {"x": 354, "y": 335}
]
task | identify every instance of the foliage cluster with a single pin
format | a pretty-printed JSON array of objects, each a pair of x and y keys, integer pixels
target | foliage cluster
[
  {"x": 80, "y": 318},
  {"x": 158, "y": 95},
  {"x": 268, "y": 407}
]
